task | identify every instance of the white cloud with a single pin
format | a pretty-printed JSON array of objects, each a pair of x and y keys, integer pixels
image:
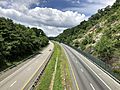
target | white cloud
[
  {"x": 105, "y": 2},
  {"x": 52, "y": 21},
  {"x": 90, "y": 7},
  {"x": 75, "y": 1},
  {"x": 19, "y": 5},
  {"x": 52, "y": 31},
  {"x": 54, "y": 17}
]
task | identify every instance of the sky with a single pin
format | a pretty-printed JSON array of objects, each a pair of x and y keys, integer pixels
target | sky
[{"x": 52, "y": 16}]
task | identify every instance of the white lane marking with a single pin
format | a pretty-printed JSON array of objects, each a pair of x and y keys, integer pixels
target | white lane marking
[
  {"x": 76, "y": 61},
  {"x": 13, "y": 83},
  {"x": 93, "y": 71},
  {"x": 81, "y": 69},
  {"x": 92, "y": 86},
  {"x": 71, "y": 69},
  {"x": 98, "y": 76}
]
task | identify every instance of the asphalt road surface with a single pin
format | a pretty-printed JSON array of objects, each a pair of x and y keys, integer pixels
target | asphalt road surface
[
  {"x": 86, "y": 75},
  {"x": 21, "y": 77}
]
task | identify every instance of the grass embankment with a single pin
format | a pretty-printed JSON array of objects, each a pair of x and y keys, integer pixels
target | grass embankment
[{"x": 62, "y": 76}]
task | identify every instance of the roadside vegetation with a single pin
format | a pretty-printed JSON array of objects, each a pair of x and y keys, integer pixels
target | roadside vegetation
[
  {"x": 99, "y": 36},
  {"x": 61, "y": 78},
  {"x": 18, "y": 42}
]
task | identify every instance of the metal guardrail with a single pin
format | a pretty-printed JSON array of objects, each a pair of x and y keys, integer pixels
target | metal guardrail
[
  {"x": 104, "y": 66},
  {"x": 38, "y": 74}
]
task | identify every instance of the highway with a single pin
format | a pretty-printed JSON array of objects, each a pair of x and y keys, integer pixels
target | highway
[
  {"x": 20, "y": 79},
  {"x": 86, "y": 75}
]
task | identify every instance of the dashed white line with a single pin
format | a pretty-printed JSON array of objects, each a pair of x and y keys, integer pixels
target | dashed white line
[
  {"x": 76, "y": 61},
  {"x": 92, "y": 86},
  {"x": 95, "y": 73},
  {"x": 13, "y": 83},
  {"x": 81, "y": 69},
  {"x": 97, "y": 76}
]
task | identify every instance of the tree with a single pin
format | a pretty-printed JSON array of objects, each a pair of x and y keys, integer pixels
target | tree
[
  {"x": 18, "y": 41},
  {"x": 105, "y": 49}
]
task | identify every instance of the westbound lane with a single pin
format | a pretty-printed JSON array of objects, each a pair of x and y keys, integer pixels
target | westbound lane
[
  {"x": 88, "y": 75},
  {"x": 20, "y": 78}
]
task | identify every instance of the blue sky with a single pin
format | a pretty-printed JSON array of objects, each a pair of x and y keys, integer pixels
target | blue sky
[
  {"x": 53, "y": 16},
  {"x": 90, "y": 6}
]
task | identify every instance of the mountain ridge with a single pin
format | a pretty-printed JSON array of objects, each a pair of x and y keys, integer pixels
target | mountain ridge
[{"x": 99, "y": 36}]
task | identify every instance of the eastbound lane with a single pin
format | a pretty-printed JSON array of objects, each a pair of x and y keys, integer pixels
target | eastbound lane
[
  {"x": 87, "y": 75},
  {"x": 20, "y": 78}
]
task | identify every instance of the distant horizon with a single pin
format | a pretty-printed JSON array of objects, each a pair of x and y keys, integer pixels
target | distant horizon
[{"x": 52, "y": 16}]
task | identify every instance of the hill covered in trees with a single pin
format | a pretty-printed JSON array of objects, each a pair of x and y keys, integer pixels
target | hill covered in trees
[
  {"x": 99, "y": 36},
  {"x": 18, "y": 41}
]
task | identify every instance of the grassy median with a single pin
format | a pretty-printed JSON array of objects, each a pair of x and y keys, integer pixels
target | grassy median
[{"x": 61, "y": 79}]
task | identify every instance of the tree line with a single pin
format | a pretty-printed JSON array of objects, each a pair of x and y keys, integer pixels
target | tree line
[
  {"x": 108, "y": 47},
  {"x": 18, "y": 41}
]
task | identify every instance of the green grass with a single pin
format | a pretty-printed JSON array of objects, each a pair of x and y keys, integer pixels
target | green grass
[
  {"x": 47, "y": 75},
  {"x": 58, "y": 77},
  {"x": 63, "y": 73},
  {"x": 62, "y": 64}
]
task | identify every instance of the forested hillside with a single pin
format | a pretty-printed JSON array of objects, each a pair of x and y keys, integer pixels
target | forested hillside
[
  {"x": 18, "y": 42},
  {"x": 99, "y": 36}
]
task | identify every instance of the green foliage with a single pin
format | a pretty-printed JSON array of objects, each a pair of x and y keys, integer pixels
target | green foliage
[
  {"x": 82, "y": 46},
  {"x": 87, "y": 40},
  {"x": 62, "y": 71},
  {"x": 105, "y": 23},
  {"x": 105, "y": 48},
  {"x": 48, "y": 73},
  {"x": 78, "y": 31},
  {"x": 18, "y": 41},
  {"x": 76, "y": 43}
]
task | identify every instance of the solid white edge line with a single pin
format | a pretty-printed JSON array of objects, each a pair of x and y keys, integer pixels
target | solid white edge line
[
  {"x": 96, "y": 75},
  {"x": 71, "y": 69}
]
